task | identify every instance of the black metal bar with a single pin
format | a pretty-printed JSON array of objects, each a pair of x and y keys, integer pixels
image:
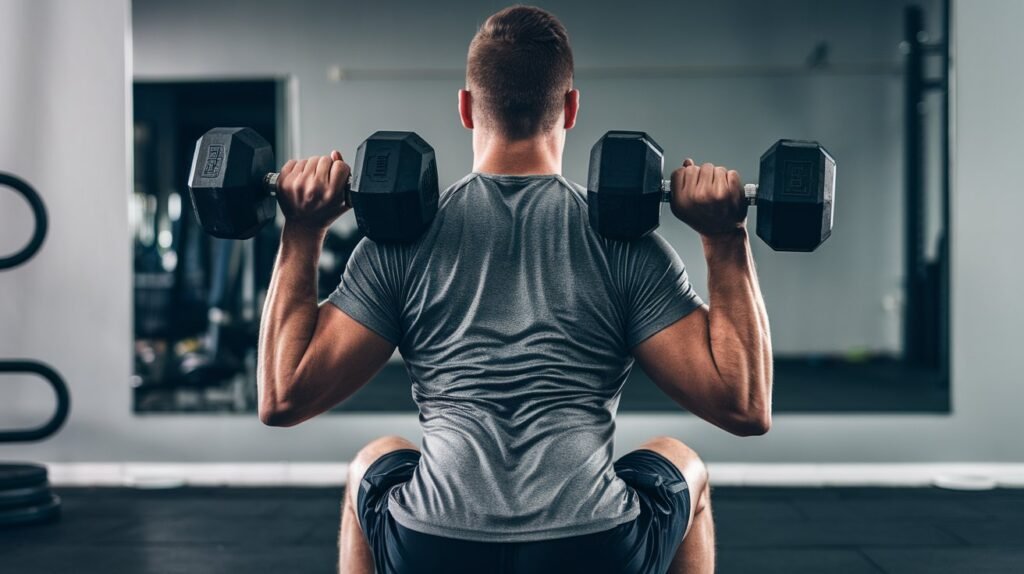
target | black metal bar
[
  {"x": 914, "y": 320},
  {"x": 39, "y": 213},
  {"x": 60, "y": 411},
  {"x": 944, "y": 246}
]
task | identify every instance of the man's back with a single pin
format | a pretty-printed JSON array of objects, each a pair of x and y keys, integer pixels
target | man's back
[
  {"x": 516, "y": 322},
  {"x": 519, "y": 325}
]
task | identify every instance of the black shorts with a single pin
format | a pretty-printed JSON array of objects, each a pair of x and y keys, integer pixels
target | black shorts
[{"x": 645, "y": 545}]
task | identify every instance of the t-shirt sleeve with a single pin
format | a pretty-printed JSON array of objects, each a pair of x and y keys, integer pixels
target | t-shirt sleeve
[
  {"x": 657, "y": 291},
  {"x": 371, "y": 289}
]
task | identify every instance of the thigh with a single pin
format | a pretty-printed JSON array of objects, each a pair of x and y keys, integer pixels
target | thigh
[
  {"x": 368, "y": 456},
  {"x": 620, "y": 550},
  {"x": 690, "y": 466},
  {"x": 644, "y": 545},
  {"x": 411, "y": 552},
  {"x": 370, "y": 486},
  {"x": 666, "y": 508}
]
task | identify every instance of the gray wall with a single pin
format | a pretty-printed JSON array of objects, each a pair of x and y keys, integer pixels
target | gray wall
[
  {"x": 729, "y": 117},
  {"x": 65, "y": 128}
]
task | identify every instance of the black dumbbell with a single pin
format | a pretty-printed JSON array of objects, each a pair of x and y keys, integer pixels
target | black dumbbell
[
  {"x": 795, "y": 195},
  {"x": 393, "y": 188}
]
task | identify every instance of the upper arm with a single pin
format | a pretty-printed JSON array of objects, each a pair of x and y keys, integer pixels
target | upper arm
[
  {"x": 357, "y": 330},
  {"x": 667, "y": 327},
  {"x": 342, "y": 357},
  {"x": 679, "y": 361},
  {"x": 654, "y": 287}
]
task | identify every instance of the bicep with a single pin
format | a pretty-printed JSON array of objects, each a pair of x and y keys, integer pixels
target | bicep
[
  {"x": 342, "y": 356},
  {"x": 678, "y": 359}
]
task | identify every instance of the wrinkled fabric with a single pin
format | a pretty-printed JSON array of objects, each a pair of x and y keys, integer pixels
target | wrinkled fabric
[
  {"x": 515, "y": 320},
  {"x": 644, "y": 545}
]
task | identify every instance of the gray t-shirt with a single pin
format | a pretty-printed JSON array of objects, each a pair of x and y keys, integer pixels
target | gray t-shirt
[{"x": 515, "y": 320}]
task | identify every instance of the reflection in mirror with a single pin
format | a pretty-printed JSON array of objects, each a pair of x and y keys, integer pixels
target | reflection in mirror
[{"x": 860, "y": 325}]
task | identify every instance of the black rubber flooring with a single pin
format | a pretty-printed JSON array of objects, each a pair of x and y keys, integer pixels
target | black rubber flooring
[{"x": 760, "y": 531}]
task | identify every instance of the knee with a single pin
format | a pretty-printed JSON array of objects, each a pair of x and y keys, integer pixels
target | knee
[
  {"x": 366, "y": 456},
  {"x": 689, "y": 463},
  {"x": 373, "y": 450},
  {"x": 678, "y": 452}
]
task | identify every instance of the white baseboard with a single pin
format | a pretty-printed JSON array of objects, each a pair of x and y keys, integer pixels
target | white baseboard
[
  {"x": 155, "y": 475},
  {"x": 967, "y": 476}
]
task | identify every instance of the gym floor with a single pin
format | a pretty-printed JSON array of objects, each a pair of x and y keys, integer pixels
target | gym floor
[{"x": 763, "y": 530}]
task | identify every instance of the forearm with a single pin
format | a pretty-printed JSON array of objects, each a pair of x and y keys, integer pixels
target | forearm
[
  {"x": 289, "y": 316},
  {"x": 740, "y": 340}
]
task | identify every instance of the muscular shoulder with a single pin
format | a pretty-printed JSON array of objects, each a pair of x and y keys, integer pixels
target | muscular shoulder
[{"x": 456, "y": 191}]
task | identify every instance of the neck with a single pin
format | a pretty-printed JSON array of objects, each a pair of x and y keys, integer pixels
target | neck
[{"x": 540, "y": 155}]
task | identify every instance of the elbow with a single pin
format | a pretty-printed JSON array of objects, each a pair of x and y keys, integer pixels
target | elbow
[
  {"x": 753, "y": 424},
  {"x": 275, "y": 411},
  {"x": 277, "y": 415},
  {"x": 750, "y": 412},
  {"x": 750, "y": 418}
]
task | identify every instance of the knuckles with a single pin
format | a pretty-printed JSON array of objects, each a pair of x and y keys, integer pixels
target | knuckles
[{"x": 313, "y": 189}]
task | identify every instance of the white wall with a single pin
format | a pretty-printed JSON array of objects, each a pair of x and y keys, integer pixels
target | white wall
[{"x": 63, "y": 126}]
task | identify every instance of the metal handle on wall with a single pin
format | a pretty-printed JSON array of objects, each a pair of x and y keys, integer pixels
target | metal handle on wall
[
  {"x": 60, "y": 413},
  {"x": 39, "y": 213}
]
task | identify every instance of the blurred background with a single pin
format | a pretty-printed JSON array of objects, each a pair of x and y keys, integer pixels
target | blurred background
[
  {"x": 897, "y": 342},
  {"x": 858, "y": 326},
  {"x": 882, "y": 352}
]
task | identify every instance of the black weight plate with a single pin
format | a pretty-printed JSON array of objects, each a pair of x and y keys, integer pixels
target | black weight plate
[
  {"x": 21, "y": 475},
  {"x": 37, "y": 514},
  {"x": 26, "y": 496}
]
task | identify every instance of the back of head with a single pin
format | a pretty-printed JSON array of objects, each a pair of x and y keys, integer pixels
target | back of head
[{"x": 519, "y": 70}]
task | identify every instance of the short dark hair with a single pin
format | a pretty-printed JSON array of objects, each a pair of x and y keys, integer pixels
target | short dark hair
[{"x": 519, "y": 69}]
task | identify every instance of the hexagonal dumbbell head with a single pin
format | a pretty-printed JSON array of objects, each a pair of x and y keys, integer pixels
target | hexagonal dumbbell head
[
  {"x": 226, "y": 182},
  {"x": 394, "y": 186},
  {"x": 624, "y": 185},
  {"x": 795, "y": 196}
]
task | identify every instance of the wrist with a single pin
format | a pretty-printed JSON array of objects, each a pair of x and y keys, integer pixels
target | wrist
[
  {"x": 302, "y": 236},
  {"x": 726, "y": 240},
  {"x": 730, "y": 248}
]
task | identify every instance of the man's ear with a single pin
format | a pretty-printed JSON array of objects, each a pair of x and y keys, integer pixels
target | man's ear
[
  {"x": 572, "y": 107},
  {"x": 466, "y": 109}
]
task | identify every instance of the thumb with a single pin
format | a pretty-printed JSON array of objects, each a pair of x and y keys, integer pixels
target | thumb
[
  {"x": 287, "y": 168},
  {"x": 687, "y": 162},
  {"x": 336, "y": 155}
]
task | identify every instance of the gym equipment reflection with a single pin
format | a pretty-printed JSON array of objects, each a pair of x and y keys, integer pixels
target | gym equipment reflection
[{"x": 198, "y": 299}]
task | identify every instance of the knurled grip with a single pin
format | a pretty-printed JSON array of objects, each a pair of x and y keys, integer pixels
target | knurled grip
[{"x": 270, "y": 181}]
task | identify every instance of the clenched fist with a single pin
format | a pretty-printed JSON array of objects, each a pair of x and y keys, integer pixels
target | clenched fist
[
  {"x": 314, "y": 192},
  {"x": 708, "y": 198}
]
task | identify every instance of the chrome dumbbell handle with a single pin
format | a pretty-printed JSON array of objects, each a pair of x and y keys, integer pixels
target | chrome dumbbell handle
[
  {"x": 270, "y": 181},
  {"x": 749, "y": 192}
]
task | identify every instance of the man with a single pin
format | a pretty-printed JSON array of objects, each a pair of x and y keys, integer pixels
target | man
[{"x": 519, "y": 325}]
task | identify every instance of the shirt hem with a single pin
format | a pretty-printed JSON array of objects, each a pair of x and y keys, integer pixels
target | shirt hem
[
  {"x": 447, "y": 531},
  {"x": 359, "y": 313},
  {"x": 663, "y": 321}
]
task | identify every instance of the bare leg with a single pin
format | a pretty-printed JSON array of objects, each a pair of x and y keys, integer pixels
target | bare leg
[
  {"x": 696, "y": 554},
  {"x": 353, "y": 550}
]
